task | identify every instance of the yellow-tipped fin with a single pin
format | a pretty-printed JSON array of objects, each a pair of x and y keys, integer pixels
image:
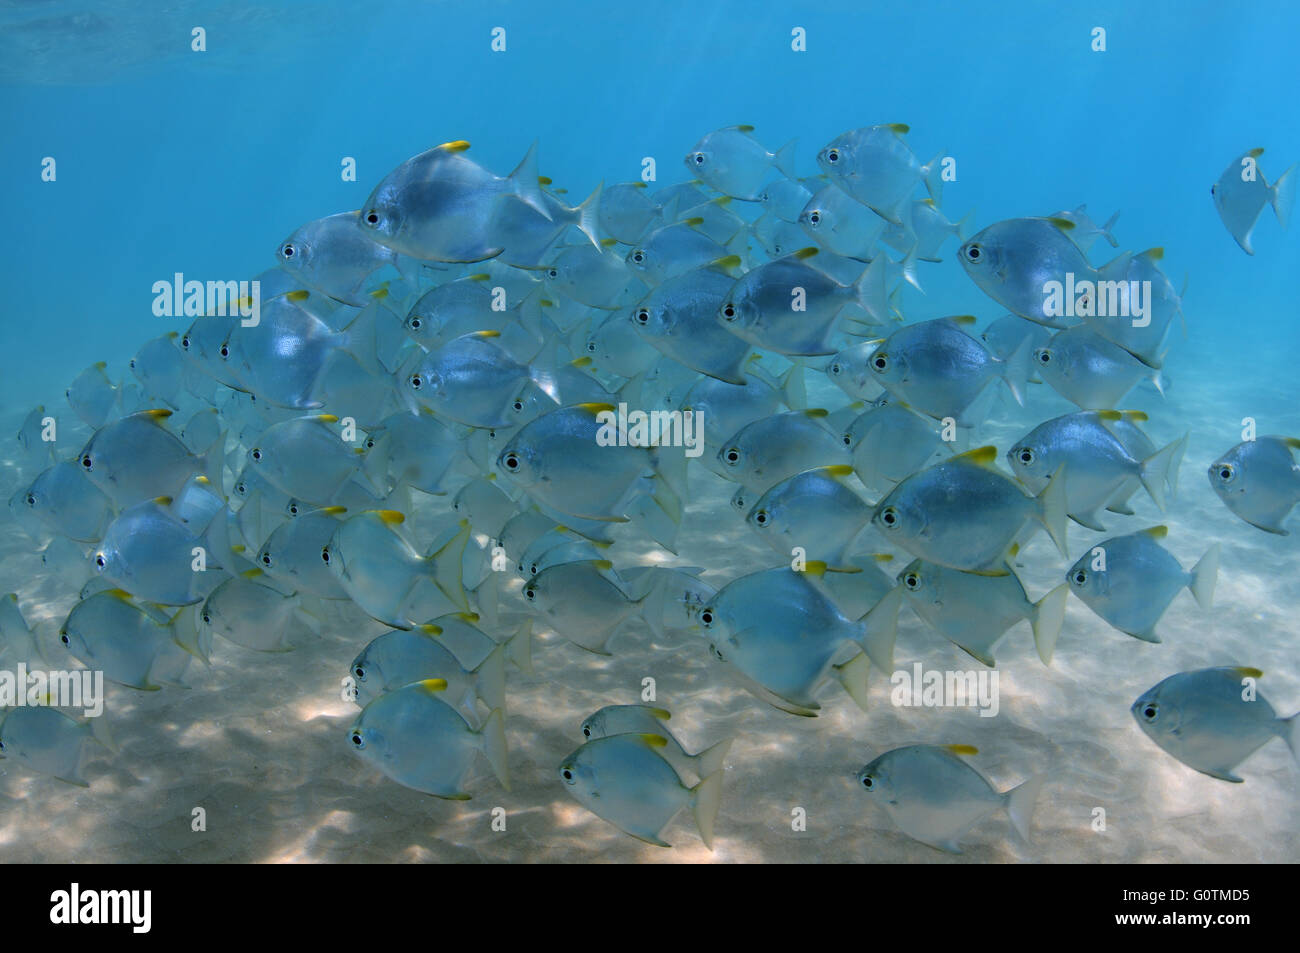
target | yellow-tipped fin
[
  {"x": 815, "y": 567},
  {"x": 608, "y": 242},
  {"x": 1156, "y": 532},
  {"x": 1155, "y": 254},
  {"x": 594, "y": 408},
  {"x": 663, "y": 714},
  {"x": 544, "y": 180},
  {"x": 456, "y": 145},
  {"x": 803, "y": 254},
  {"x": 745, "y": 127},
  {"x": 434, "y": 684},
  {"x": 391, "y": 517},
  {"x": 815, "y": 412},
  {"x": 327, "y": 418},
  {"x": 1246, "y": 671},
  {"x": 901, "y": 128},
  {"x": 163, "y": 500},
  {"x": 487, "y": 334},
  {"x": 298, "y": 295},
  {"x": 334, "y": 510},
  {"x": 692, "y": 222},
  {"x": 158, "y": 413},
  {"x": 467, "y": 616},
  {"x": 251, "y": 573},
  {"x": 430, "y": 629},
  {"x": 966, "y": 319},
  {"x": 1110, "y": 415},
  {"x": 961, "y": 749},
  {"x": 980, "y": 456},
  {"x": 838, "y": 470},
  {"x": 1255, "y": 153},
  {"x": 1064, "y": 224},
  {"x": 655, "y": 741}
]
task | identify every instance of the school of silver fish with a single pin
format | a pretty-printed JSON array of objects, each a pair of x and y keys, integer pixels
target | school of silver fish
[{"x": 474, "y": 350}]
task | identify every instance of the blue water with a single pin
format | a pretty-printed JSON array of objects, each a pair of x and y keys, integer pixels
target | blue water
[{"x": 170, "y": 161}]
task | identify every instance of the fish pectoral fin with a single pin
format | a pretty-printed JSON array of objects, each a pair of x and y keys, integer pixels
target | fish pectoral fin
[
  {"x": 1089, "y": 520},
  {"x": 1224, "y": 775}
]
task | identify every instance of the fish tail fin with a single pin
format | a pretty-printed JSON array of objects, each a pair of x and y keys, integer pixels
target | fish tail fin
[
  {"x": 1159, "y": 381},
  {"x": 487, "y": 599},
  {"x": 784, "y": 159},
  {"x": 491, "y": 684},
  {"x": 1052, "y": 503},
  {"x": 908, "y": 266},
  {"x": 588, "y": 215},
  {"x": 853, "y": 676},
  {"x": 1049, "y": 615},
  {"x": 1017, "y": 369},
  {"x": 706, "y": 798},
  {"x": 494, "y": 746},
  {"x": 1282, "y": 195},
  {"x": 1290, "y": 731},
  {"x": 1020, "y": 802},
  {"x": 933, "y": 172},
  {"x": 1204, "y": 575},
  {"x": 709, "y": 761},
  {"x": 100, "y": 733},
  {"x": 870, "y": 292},
  {"x": 793, "y": 389},
  {"x": 519, "y": 649},
  {"x": 1106, "y": 230},
  {"x": 1176, "y": 463},
  {"x": 880, "y": 630},
  {"x": 1154, "y": 471},
  {"x": 525, "y": 183},
  {"x": 445, "y": 560}
]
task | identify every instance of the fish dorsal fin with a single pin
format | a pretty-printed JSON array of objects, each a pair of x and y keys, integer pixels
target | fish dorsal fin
[
  {"x": 901, "y": 128},
  {"x": 692, "y": 222},
  {"x": 333, "y": 510},
  {"x": 327, "y": 418},
  {"x": 544, "y": 180},
  {"x": 467, "y": 616},
  {"x": 1292, "y": 442},
  {"x": 980, "y": 457},
  {"x": 239, "y": 548},
  {"x": 1245, "y": 671},
  {"x": 961, "y": 749},
  {"x": 202, "y": 480},
  {"x": 432, "y": 685},
  {"x": 963, "y": 320},
  {"x": 1013, "y": 550},
  {"x": 1255, "y": 153},
  {"x": 157, "y": 414},
  {"x": 584, "y": 361},
  {"x": 883, "y": 557},
  {"x": 640, "y": 185},
  {"x": 1135, "y": 415},
  {"x": 1111, "y": 415},
  {"x": 456, "y": 145},
  {"x": 814, "y": 567},
  {"x": 663, "y": 714},
  {"x": 815, "y": 412},
  {"x": 1155, "y": 254},
  {"x": 726, "y": 264},
  {"x": 252, "y": 573},
  {"x": 481, "y": 276},
  {"x": 602, "y": 564},
  {"x": 837, "y": 470},
  {"x": 299, "y": 295},
  {"x": 1155, "y": 532},
  {"x": 391, "y": 517},
  {"x": 380, "y": 293},
  {"x": 121, "y": 594},
  {"x": 486, "y": 333},
  {"x": 1064, "y": 224},
  {"x": 608, "y": 242},
  {"x": 163, "y": 500},
  {"x": 744, "y": 127},
  {"x": 596, "y": 408},
  {"x": 430, "y": 629},
  {"x": 803, "y": 254},
  {"x": 654, "y": 741}
]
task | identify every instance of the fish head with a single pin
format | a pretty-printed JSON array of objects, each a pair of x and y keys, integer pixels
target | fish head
[
  {"x": 520, "y": 461},
  {"x": 742, "y": 499},
  {"x": 1088, "y": 577},
  {"x": 900, "y": 515},
  {"x": 381, "y": 217},
  {"x": 702, "y": 161},
  {"x": 1157, "y": 716},
  {"x": 888, "y": 365},
  {"x": 874, "y": 779},
  {"x": 918, "y": 583},
  {"x": 1030, "y": 463},
  {"x": 1228, "y": 476},
  {"x": 837, "y": 158},
  {"x": 580, "y": 776},
  {"x": 739, "y": 310},
  {"x": 639, "y": 258},
  {"x": 367, "y": 741}
]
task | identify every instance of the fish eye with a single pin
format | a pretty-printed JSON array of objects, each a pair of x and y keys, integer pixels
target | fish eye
[
  {"x": 185, "y": 342},
  {"x": 224, "y": 350},
  {"x": 241, "y": 488},
  {"x": 63, "y": 637},
  {"x": 530, "y": 593},
  {"x": 207, "y": 618},
  {"x": 868, "y": 782},
  {"x": 293, "y": 509},
  {"x": 880, "y": 362},
  {"x": 415, "y": 324},
  {"x": 131, "y": 363},
  {"x": 357, "y": 740},
  {"x": 699, "y": 158},
  {"x": 1043, "y": 356},
  {"x": 833, "y": 155},
  {"x": 973, "y": 252},
  {"x": 848, "y": 440},
  {"x": 31, "y": 499},
  {"x": 100, "y": 562},
  {"x": 716, "y": 652},
  {"x": 532, "y": 570},
  {"x": 1226, "y": 472},
  {"x": 87, "y": 463},
  {"x": 706, "y": 618},
  {"x": 1080, "y": 577},
  {"x": 728, "y": 311},
  {"x": 835, "y": 368},
  {"x": 1026, "y": 456},
  {"x": 733, "y": 456},
  {"x": 256, "y": 454},
  {"x": 492, "y": 434},
  {"x": 518, "y": 405},
  {"x": 416, "y": 382},
  {"x": 370, "y": 443},
  {"x": 643, "y": 316},
  {"x": 266, "y": 560},
  {"x": 360, "y": 673},
  {"x": 511, "y": 461},
  {"x": 814, "y": 218},
  {"x": 586, "y": 732},
  {"x": 761, "y": 517},
  {"x": 567, "y": 773},
  {"x": 325, "y": 555},
  {"x": 1151, "y": 711},
  {"x": 552, "y": 273},
  {"x": 287, "y": 250},
  {"x": 372, "y": 217},
  {"x": 912, "y": 581},
  {"x": 638, "y": 256},
  {"x": 889, "y": 516}
]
